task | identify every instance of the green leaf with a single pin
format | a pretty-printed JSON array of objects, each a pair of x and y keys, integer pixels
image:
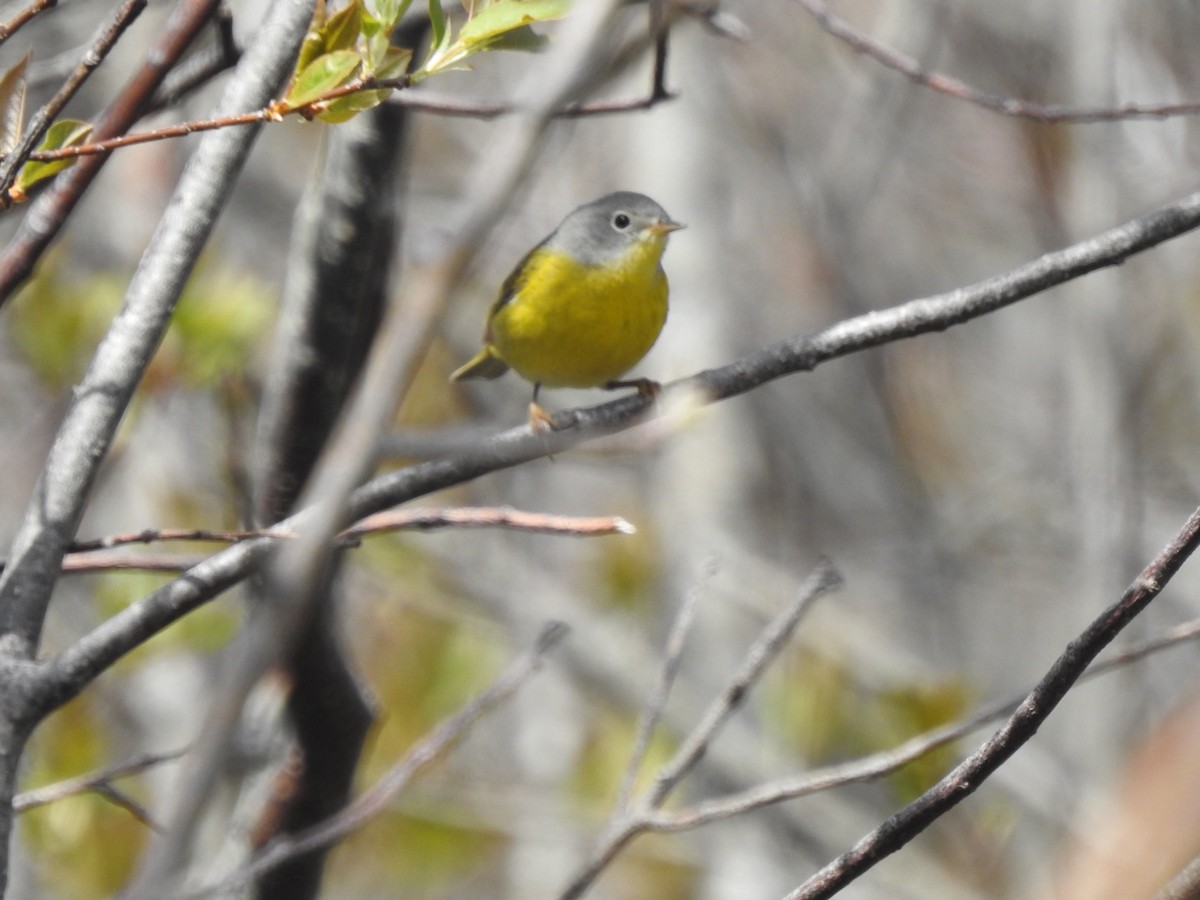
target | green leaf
[
  {"x": 12, "y": 105},
  {"x": 63, "y": 133},
  {"x": 323, "y": 75},
  {"x": 390, "y": 11},
  {"x": 504, "y": 16},
  {"x": 313, "y": 44},
  {"x": 378, "y": 38},
  {"x": 343, "y": 29},
  {"x": 345, "y": 108},
  {"x": 437, "y": 25},
  {"x": 394, "y": 63},
  {"x": 524, "y": 39}
]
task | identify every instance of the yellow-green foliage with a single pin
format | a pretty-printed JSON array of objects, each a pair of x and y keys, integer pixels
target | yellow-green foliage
[
  {"x": 628, "y": 570},
  {"x": 605, "y": 756},
  {"x": 58, "y": 319},
  {"x": 821, "y": 709},
  {"x": 204, "y": 630},
  {"x": 405, "y": 855},
  {"x": 85, "y": 845}
]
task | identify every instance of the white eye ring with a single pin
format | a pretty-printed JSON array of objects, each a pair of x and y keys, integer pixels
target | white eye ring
[{"x": 621, "y": 221}]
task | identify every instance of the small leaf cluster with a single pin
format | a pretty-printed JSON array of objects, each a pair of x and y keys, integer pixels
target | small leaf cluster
[{"x": 348, "y": 63}]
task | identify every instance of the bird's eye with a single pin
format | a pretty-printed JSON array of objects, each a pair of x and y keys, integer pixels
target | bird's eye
[{"x": 620, "y": 221}]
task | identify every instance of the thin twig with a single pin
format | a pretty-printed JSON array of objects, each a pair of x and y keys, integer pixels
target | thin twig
[
  {"x": 93, "y": 781},
  {"x": 652, "y": 712},
  {"x": 444, "y": 105},
  {"x": 911, "y": 69},
  {"x": 823, "y": 580},
  {"x": 494, "y": 517},
  {"x": 119, "y": 798},
  {"x": 417, "y": 100},
  {"x": 771, "y": 640},
  {"x": 42, "y": 119},
  {"x": 92, "y": 563},
  {"x": 868, "y": 768},
  {"x": 959, "y": 784},
  {"x": 13, "y": 25},
  {"x": 375, "y": 799}
]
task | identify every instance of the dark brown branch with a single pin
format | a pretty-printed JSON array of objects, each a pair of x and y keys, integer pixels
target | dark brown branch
[
  {"x": 13, "y": 25},
  {"x": 659, "y": 32},
  {"x": 1013, "y": 734}
]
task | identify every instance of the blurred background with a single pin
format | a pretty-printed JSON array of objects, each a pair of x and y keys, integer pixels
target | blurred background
[{"x": 984, "y": 492}]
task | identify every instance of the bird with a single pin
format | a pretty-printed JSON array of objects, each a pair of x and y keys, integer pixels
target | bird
[{"x": 585, "y": 305}]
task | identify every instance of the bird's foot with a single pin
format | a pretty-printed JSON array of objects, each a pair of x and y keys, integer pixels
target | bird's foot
[
  {"x": 645, "y": 387},
  {"x": 540, "y": 420}
]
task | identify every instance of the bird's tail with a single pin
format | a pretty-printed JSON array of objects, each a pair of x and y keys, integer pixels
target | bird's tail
[{"x": 484, "y": 364}]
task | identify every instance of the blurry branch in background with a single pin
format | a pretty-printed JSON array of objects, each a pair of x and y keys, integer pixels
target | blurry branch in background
[
  {"x": 17, "y": 152},
  {"x": 1020, "y": 727},
  {"x": 48, "y": 213},
  {"x": 423, "y": 754},
  {"x": 199, "y": 68},
  {"x": 912, "y": 69},
  {"x": 99, "y": 782},
  {"x": 653, "y": 710},
  {"x": 877, "y": 765},
  {"x": 13, "y": 25},
  {"x": 631, "y": 819}
]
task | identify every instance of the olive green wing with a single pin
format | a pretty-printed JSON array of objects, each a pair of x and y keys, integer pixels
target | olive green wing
[
  {"x": 513, "y": 284},
  {"x": 485, "y": 363}
]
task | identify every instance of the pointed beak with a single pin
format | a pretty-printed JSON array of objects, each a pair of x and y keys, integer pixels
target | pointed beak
[{"x": 664, "y": 227}]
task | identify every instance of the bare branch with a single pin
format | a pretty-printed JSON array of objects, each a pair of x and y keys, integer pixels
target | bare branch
[
  {"x": 877, "y": 765},
  {"x": 1020, "y": 727},
  {"x": 100, "y": 782},
  {"x": 672, "y": 656},
  {"x": 760, "y": 654},
  {"x": 960, "y": 90},
  {"x": 201, "y": 67},
  {"x": 13, "y": 25}
]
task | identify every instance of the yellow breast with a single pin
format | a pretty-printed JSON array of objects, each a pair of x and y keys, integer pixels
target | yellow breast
[{"x": 574, "y": 325}]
